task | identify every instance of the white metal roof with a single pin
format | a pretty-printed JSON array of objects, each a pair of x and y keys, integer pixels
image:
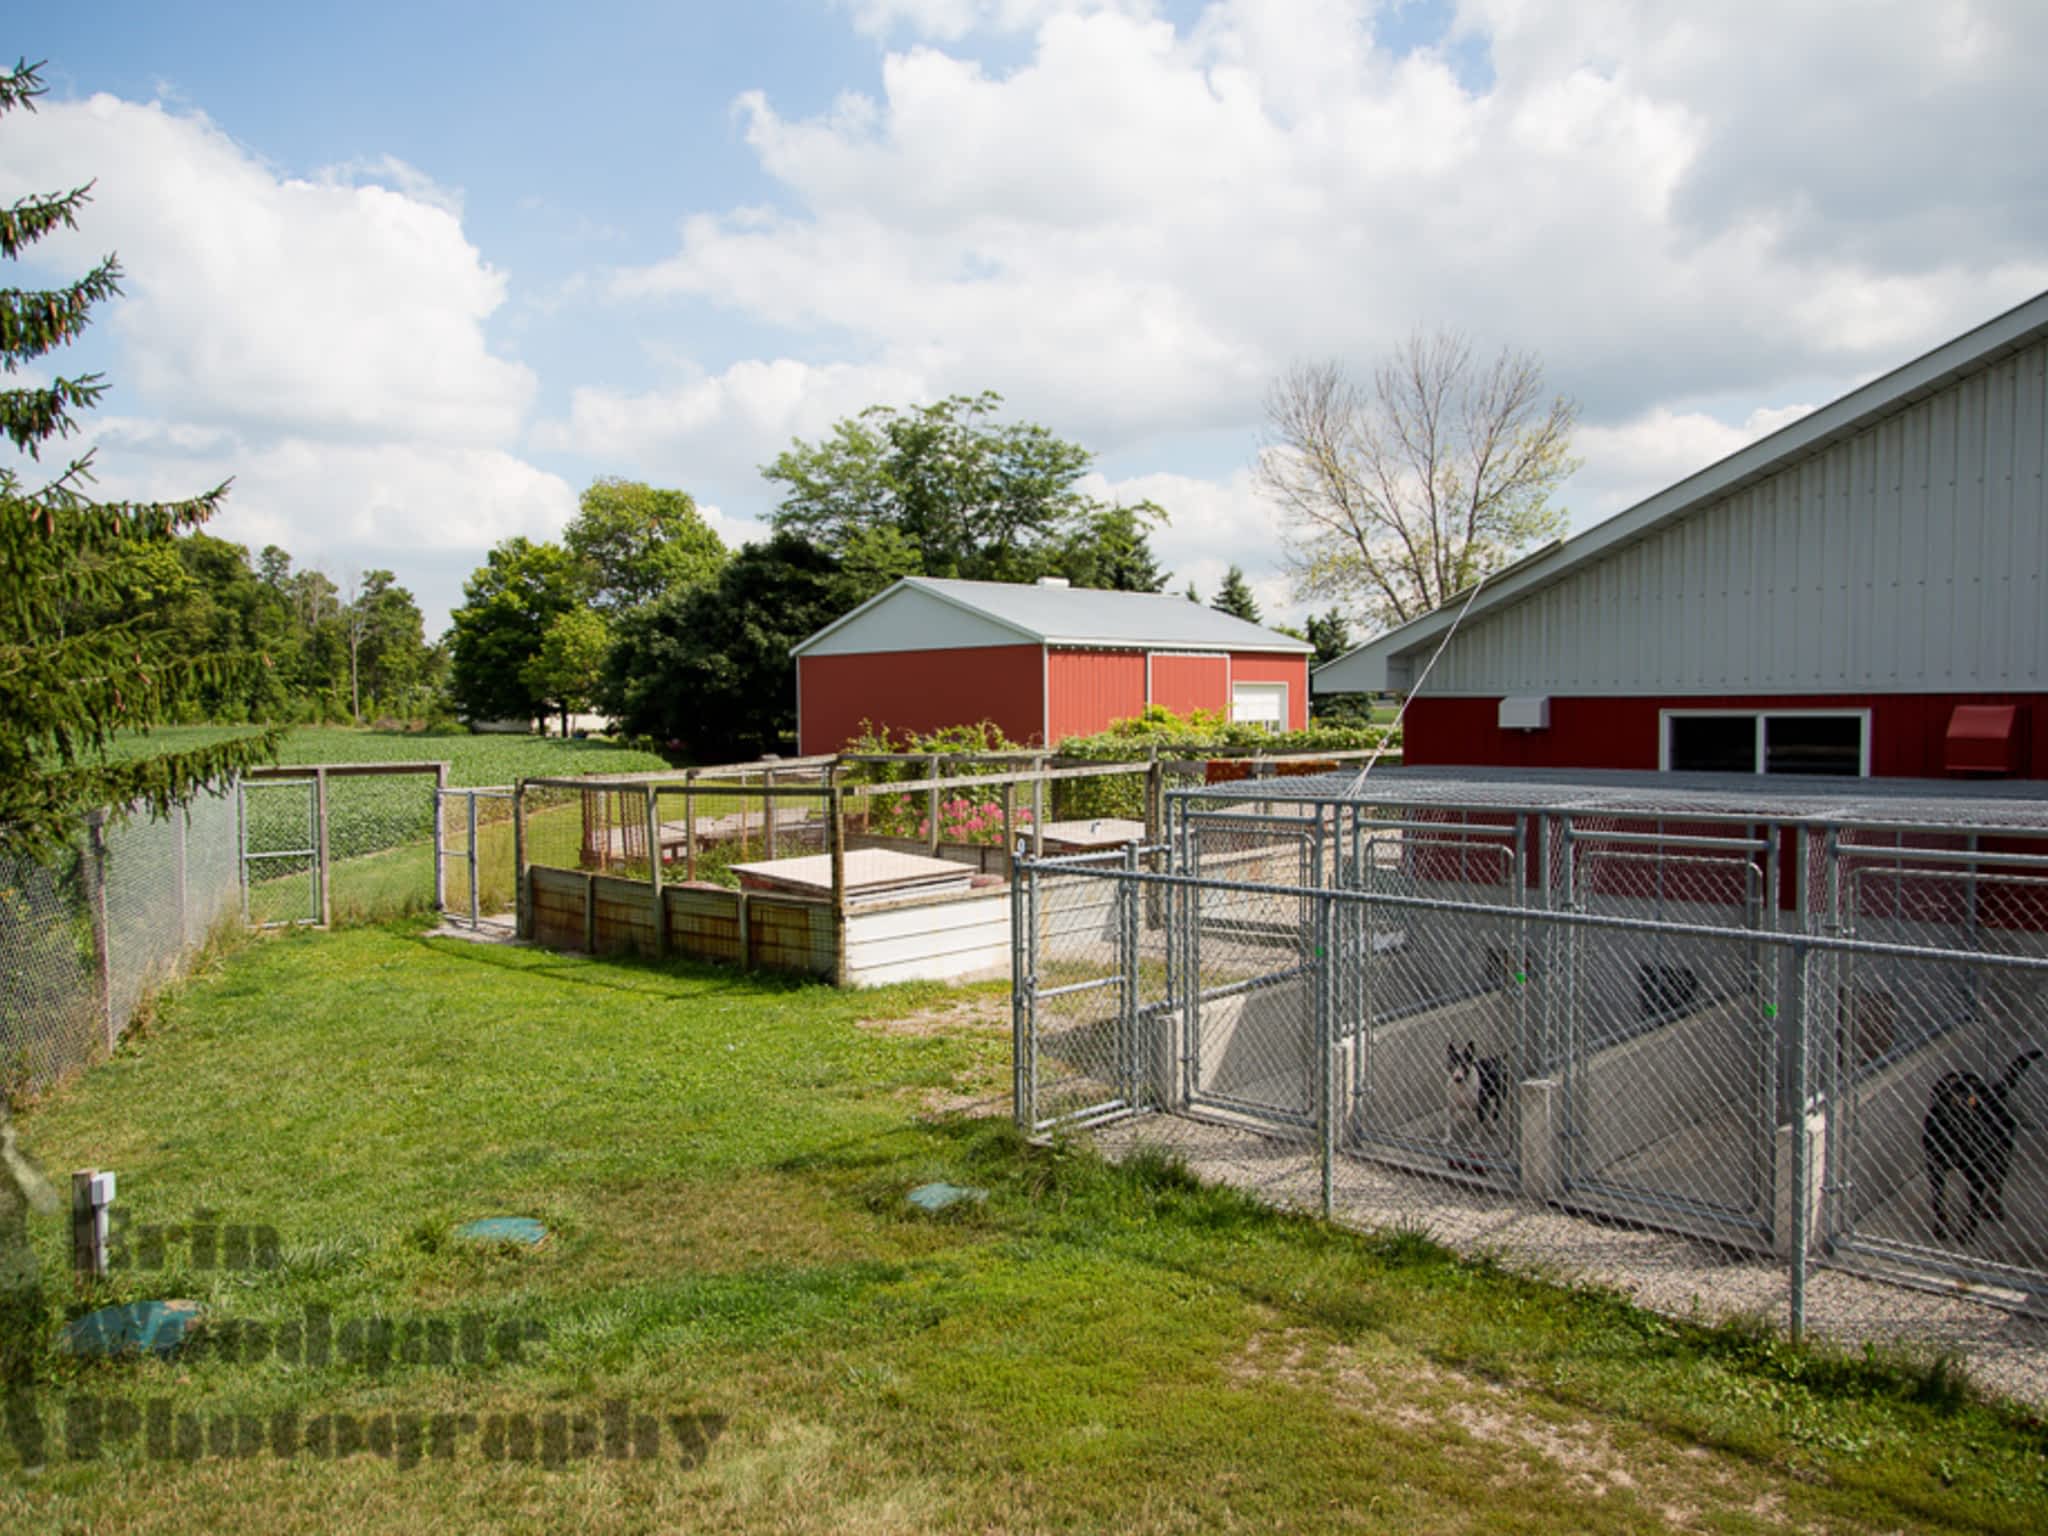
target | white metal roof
[
  {"x": 1365, "y": 668},
  {"x": 1003, "y": 612}
]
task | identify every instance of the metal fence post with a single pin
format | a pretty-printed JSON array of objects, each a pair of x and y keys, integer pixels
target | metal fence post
[
  {"x": 654, "y": 872},
  {"x": 690, "y": 826},
  {"x": 475, "y": 897},
  {"x": 931, "y": 810},
  {"x": 835, "y": 832},
  {"x": 1127, "y": 941},
  {"x": 1027, "y": 1058},
  {"x": 441, "y": 842},
  {"x": 323, "y": 900},
  {"x": 1038, "y": 812},
  {"x": 1325, "y": 1035},
  {"x": 522, "y": 902},
  {"x": 102, "y": 939},
  {"x": 242, "y": 844},
  {"x": 181, "y": 875},
  {"x": 1796, "y": 1032}
]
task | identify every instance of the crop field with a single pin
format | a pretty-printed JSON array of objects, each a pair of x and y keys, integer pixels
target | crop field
[
  {"x": 734, "y": 1280},
  {"x": 472, "y": 760}
]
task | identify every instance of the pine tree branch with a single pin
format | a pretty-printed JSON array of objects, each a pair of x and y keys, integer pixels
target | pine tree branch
[
  {"x": 36, "y": 320},
  {"x": 28, "y": 219},
  {"x": 31, "y": 417}
]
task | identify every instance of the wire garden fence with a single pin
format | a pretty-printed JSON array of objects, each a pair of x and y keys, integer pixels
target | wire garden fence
[{"x": 1749, "y": 1057}]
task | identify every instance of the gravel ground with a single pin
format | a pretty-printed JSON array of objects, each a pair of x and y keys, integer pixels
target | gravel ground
[{"x": 2005, "y": 1350}]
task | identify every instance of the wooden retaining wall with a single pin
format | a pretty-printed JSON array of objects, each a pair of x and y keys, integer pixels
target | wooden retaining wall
[
  {"x": 960, "y": 935},
  {"x": 606, "y": 915}
]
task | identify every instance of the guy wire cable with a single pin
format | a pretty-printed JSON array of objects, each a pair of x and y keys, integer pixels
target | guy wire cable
[{"x": 1357, "y": 787}]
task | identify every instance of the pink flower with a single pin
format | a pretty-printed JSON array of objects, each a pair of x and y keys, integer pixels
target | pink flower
[
  {"x": 992, "y": 809},
  {"x": 924, "y": 827}
]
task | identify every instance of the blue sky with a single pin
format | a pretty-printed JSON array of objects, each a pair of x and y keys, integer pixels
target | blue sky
[{"x": 414, "y": 274}]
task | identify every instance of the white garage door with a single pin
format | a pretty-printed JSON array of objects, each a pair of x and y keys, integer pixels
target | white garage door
[{"x": 1260, "y": 704}]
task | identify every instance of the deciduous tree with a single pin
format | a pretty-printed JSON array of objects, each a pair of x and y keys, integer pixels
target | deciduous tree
[
  {"x": 972, "y": 496},
  {"x": 640, "y": 542},
  {"x": 508, "y": 603},
  {"x": 1402, "y": 491}
]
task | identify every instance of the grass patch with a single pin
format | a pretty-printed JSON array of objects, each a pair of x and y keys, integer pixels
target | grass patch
[{"x": 721, "y": 1160}]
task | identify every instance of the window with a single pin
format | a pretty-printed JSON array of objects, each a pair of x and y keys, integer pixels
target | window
[
  {"x": 1261, "y": 704},
  {"x": 1832, "y": 742}
]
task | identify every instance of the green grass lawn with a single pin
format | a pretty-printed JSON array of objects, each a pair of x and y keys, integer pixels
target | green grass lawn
[{"x": 722, "y": 1160}]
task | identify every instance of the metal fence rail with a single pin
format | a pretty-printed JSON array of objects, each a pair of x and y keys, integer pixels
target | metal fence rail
[{"x": 1668, "y": 1065}]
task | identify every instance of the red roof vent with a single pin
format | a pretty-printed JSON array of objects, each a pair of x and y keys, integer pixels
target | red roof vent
[{"x": 1983, "y": 738}]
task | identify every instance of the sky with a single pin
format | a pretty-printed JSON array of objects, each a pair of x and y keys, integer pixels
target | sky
[{"x": 413, "y": 275}]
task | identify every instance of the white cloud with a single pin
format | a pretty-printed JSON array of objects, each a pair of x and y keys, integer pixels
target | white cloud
[
  {"x": 334, "y": 307},
  {"x": 718, "y": 428},
  {"x": 951, "y": 20},
  {"x": 320, "y": 340},
  {"x": 1629, "y": 461},
  {"x": 1132, "y": 230}
]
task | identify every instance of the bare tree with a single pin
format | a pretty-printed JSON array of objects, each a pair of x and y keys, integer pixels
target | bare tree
[{"x": 1399, "y": 494}]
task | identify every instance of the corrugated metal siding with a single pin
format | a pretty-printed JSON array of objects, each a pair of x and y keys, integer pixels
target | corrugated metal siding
[
  {"x": 917, "y": 691},
  {"x": 1907, "y": 730},
  {"x": 1182, "y": 683},
  {"x": 1913, "y": 556},
  {"x": 1090, "y": 689},
  {"x": 1291, "y": 670}
]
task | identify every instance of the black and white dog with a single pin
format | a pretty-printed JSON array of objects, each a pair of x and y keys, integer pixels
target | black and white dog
[
  {"x": 1969, "y": 1130},
  {"x": 1473, "y": 1091}
]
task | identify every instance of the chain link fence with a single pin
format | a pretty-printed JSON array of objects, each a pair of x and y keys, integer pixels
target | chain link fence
[
  {"x": 85, "y": 938},
  {"x": 1778, "y": 1069}
]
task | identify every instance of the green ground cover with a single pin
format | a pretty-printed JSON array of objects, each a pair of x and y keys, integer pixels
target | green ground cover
[{"x": 722, "y": 1160}]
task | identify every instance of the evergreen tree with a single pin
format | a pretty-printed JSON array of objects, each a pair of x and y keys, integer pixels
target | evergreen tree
[
  {"x": 75, "y": 668},
  {"x": 1329, "y": 634},
  {"x": 1113, "y": 550},
  {"x": 1234, "y": 597}
]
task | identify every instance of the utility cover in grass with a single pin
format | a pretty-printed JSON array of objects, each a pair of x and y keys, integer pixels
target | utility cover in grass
[
  {"x": 132, "y": 1328},
  {"x": 938, "y": 1197},
  {"x": 522, "y": 1231}
]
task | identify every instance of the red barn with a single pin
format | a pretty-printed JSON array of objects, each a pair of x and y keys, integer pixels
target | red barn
[
  {"x": 1862, "y": 593},
  {"x": 1043, "y": 661}
]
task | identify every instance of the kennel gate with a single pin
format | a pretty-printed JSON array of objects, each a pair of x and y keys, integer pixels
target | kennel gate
[
  {"x": 1668, "y": 1046},
  {"x": 1898, "y": 1022},
  {"x": 279, "y": 853}
]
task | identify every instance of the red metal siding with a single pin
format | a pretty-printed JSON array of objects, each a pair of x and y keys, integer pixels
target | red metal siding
[
  {"x": 1092, "y": 689},
  {"x": 1291, "y": 670},
  {"x": 1908, "y": 731},
  {"x": 915, "y": 691},
  {"x": 1182, "y": 683}
]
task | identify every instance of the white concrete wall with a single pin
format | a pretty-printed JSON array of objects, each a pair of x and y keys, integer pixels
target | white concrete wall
[{"x": 953, "y": 938}]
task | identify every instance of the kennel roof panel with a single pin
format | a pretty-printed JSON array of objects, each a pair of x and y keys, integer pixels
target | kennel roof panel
[
  {"x": 1959, "y": 803},
  {"x": 872, "y": 874}
]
